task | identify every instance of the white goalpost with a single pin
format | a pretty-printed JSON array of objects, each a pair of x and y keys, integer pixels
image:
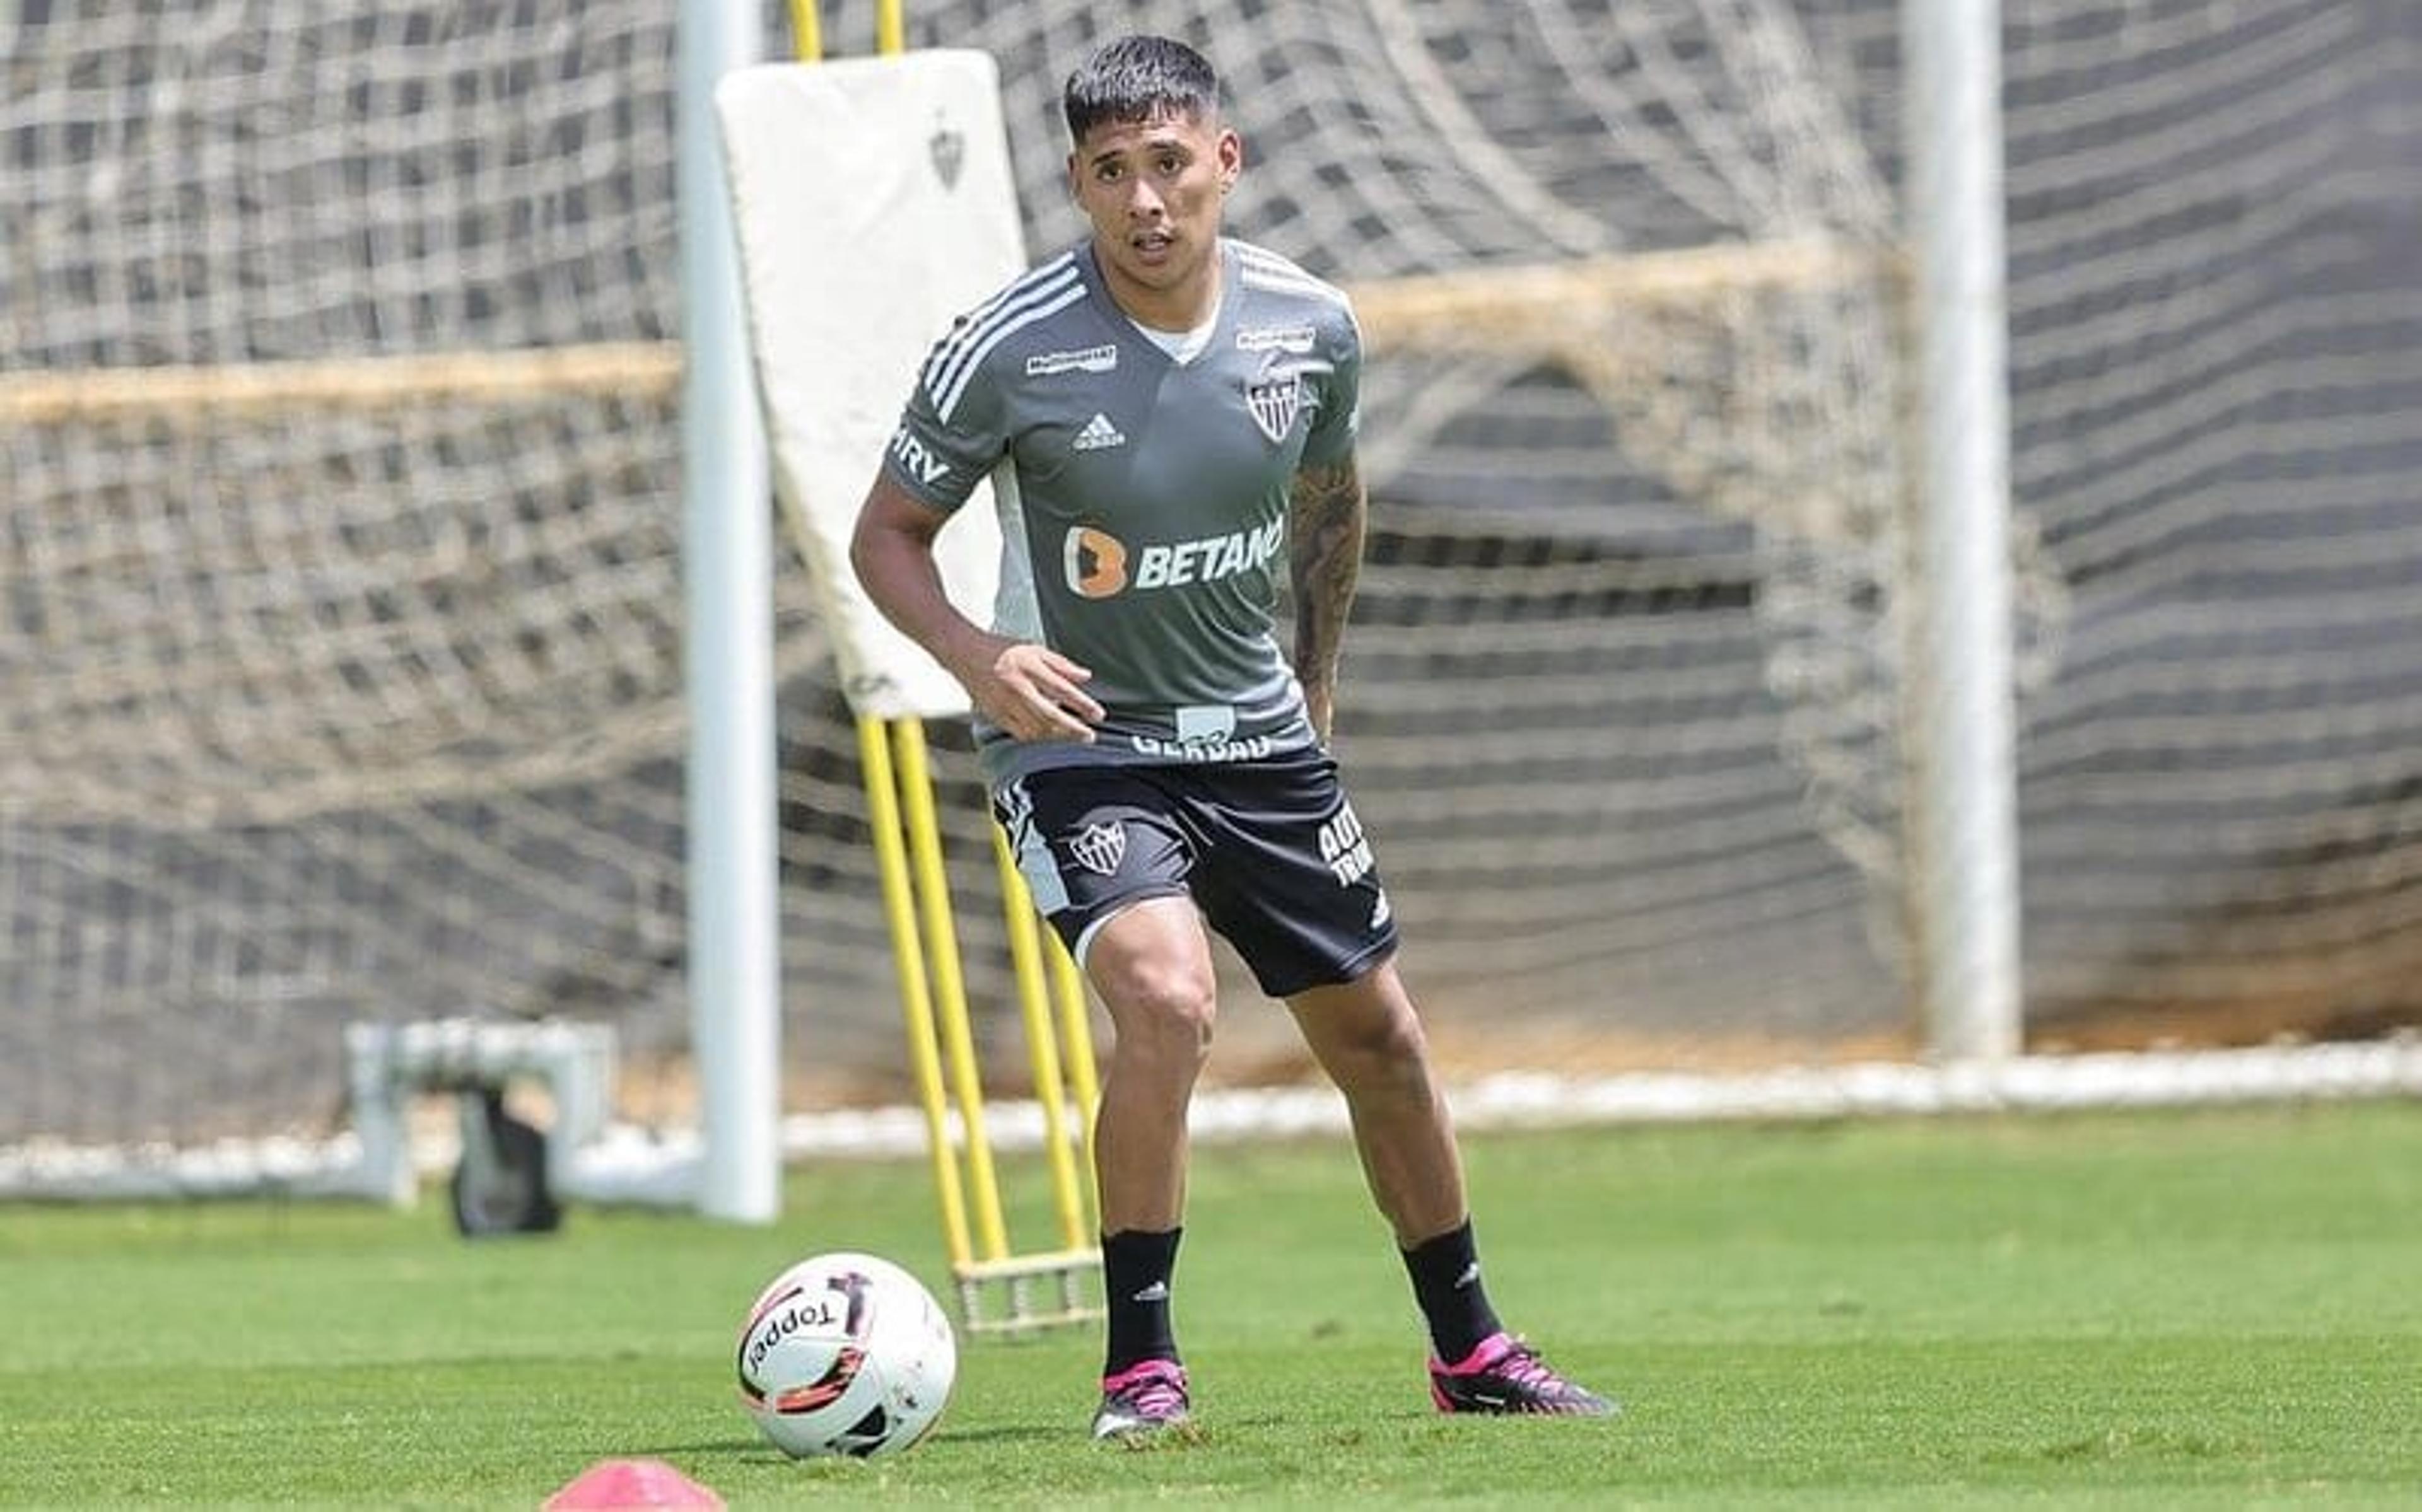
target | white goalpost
[
  {"x": 734, "y": 912},
  {"x": 1960, "y": 687}
]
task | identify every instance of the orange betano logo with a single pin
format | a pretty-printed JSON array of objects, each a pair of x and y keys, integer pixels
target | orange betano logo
[{"x": 1096, "y": 562}]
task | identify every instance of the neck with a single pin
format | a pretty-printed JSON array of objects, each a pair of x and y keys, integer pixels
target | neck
[{"x": 1181, "y": 306}]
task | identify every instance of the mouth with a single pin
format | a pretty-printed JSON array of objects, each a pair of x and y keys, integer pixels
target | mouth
[{"x": 1152, "y": 245}]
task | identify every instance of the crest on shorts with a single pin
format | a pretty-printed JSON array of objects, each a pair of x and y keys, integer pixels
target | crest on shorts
[
  {"x": 1275, "y": 403},
  {"x": 1100, "y": 847}
]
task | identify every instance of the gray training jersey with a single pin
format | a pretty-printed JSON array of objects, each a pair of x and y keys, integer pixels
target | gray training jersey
[{"x": 1144, "y": 504}]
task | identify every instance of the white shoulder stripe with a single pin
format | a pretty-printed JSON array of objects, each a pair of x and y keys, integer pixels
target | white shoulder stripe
[
  {"x": 1042, "y": 282},
  {"x": 1267, "y": 270},
  {"x": 1044, "y": 272},
  {"x": 947, "y": 371},
  {"x": 1023, "y": 292},
  {"x": 1301, "y": 287},
  {"x": 948, "y": 400},
  {"x": 1308, "y": 288},
  {"x": 1040, "y": 273},
  {"x": 1265, "y": 262}
]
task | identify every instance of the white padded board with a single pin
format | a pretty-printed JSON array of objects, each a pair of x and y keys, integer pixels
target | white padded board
[{"x": 872, "y": 202}]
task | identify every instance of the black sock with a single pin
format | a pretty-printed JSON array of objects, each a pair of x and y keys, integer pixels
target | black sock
[
  {"x": 1446, "y": 1284},
  {"x": 1136, "y": 1271}
]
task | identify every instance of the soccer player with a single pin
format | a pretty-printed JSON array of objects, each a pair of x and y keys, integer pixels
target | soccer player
[{"x": 1177, "y": 410}]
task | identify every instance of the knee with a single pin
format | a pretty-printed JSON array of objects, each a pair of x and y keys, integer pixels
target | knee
[
  {"x": 1164, "y": 1009},
  {"x": 1367, "y": 1036},
  {"x": 1383, "y": 1047}
]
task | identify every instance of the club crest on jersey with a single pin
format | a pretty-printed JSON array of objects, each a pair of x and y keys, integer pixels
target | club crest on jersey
[
  {"x": 1099, "y": 847},
  {"x": 1275, "y": 403}
]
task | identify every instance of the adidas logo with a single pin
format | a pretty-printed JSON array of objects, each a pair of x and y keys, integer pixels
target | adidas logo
[
  {"x": 1158, "y": 1291},
  {"x": 1098, "y": 434}
]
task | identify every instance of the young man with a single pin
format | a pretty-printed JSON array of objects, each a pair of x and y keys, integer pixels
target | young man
[{"x": 1178, "y": 408}]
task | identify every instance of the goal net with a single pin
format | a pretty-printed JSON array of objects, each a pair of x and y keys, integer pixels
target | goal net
[{"x": 340, "y": 582}]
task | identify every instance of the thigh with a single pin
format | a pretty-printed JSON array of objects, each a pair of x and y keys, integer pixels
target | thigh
[
  {"x": 1286, "y": 874},
  {"x": 1091, "y": 842}
]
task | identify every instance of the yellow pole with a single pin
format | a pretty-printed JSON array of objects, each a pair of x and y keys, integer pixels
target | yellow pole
[
  {"x": 1042, "y": 1042},
  {"x": 900, "y": 796},
  {"x": 950, "y": 986},
  {"x": 807, "y": 30},
  {"x": 916, "y": 1000},
  {"x": 1076, "y": 1035}
]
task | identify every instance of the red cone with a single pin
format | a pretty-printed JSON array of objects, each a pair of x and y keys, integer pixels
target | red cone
[{"x": 613, "y": 1484}]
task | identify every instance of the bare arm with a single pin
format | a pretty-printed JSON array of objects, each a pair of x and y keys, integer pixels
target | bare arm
[
  {"x": 1027, "y": 690},
  {"x": 1326, "y": 506}
]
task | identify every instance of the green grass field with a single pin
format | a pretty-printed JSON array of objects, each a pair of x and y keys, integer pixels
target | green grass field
[{"x": 2216, "y": 1308}]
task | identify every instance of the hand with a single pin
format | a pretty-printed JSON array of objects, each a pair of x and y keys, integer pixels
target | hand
[{"x": 1030, "y": 691}]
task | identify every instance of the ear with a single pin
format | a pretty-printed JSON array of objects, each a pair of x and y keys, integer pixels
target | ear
[
  {"x": 1072, "y": 178},
  {"x": 1231, "y": 154}
]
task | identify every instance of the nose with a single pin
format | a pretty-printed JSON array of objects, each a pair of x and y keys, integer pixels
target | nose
[{"x": 1144, "y": 202}]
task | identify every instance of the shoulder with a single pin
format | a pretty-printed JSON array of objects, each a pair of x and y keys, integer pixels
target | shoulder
[
  {"x": 1278, "y": 273},
  {"x": 1020, "y": 313},
  {"x": 1279, "y": 280}
]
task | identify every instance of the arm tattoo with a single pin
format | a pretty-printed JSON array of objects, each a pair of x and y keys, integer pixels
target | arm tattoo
[{"x": 1325, "y": 553}]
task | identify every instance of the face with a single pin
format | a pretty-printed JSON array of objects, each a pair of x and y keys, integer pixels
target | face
[{"x": 1152, "y": 191}]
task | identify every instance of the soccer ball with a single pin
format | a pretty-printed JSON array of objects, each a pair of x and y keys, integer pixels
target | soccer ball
[{"x": 845, "y": 1354}]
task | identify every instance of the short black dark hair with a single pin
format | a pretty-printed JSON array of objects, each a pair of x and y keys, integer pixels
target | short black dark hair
[{"x": 1137, "y": 79}]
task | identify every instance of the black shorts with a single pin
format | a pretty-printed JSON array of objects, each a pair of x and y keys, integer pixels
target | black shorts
[{"x": 1268, "y": 850}]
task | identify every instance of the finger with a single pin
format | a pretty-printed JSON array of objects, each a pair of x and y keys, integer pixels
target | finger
[
  {"x": 1066, "y": 681},
  {"x": 1078, "y": 703},
  {"x": 1049, "y": 684},
  {"x": 1072, "y": 671},
  {"x": 1060, "y": 722},
  {"x": 1028, "y": 712}
]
